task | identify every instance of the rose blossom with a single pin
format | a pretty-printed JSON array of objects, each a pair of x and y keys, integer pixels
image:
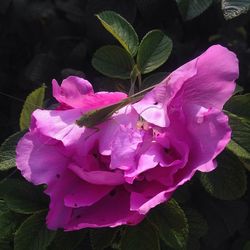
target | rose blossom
[{"x": 137, "y": 158}]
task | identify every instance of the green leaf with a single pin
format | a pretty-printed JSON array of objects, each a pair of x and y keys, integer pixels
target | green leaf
[
  {"x": 33, "y": 101},
  {"x": 121, "y": 29},
  {"x": 22, "y": 197},
  {"x": 238, "y": 110},
  {"x": 102, "y": 238},
  {"x": 8, "y": 224},
  {"x": 8, "y": 151},
  {"x": 239, "y": 105},
  {"x": 228, "y": 181},
  {"x": 170, "y": 221},
  {"x": 234, "y": 8},
  {"x": 140, "y": 237},
  {"x": 3, "y": 207},
  {"x": 154, "y": 79},
  {"x": 154, "y": 50},
  {"x": 113, "y": 61},
  {"x": 68, "y": 240},
  {"x": 197, "y": 224},
  {"x": 33, "y": 234},
  {"x": 190, "y": 9},
  {"x": 224, "y": 218}
]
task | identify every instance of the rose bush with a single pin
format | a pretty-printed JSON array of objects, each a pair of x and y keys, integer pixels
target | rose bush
[{"x": 115, "y": 173}]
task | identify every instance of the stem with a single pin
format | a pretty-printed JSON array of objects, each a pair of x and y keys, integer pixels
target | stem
[
  {"x": 132, "y": 86},
  {"x": 139, "y": 81}
]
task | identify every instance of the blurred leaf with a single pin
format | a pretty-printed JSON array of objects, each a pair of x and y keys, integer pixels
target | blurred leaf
[
  {"x": 140, "y": 237},
  {"x": 239, "y": 105},
  {"x": 3, "y": 207},
  {"x": 239, "y": 120},
  {"x": 154, "y": 79},
  {"x": 33, "y": 234},
  {"x": 102, "y": 237},
  {"x": 234, "y": 8},
  {"x": 22, "y": 197},
  {"x": 247, "y": 246},
  {"x": 33, "y": 101},
  {"x": 197, "y": 227},
  {"x": 113, "y": 61},
  {"x": 182, "y": 194},
  {"x": 228, "y": 181},
  {"x": 68, "y": 240},
  {"x": 5, "y": 244},
  {"x": 171, "y": 223},
  {"x": 121, "y": 29},
  {"x": 154, "y": 50},
  {"x": 190, "y": 9},
  {"x": 224, "y": 219},
  {"x": 238, "y": 89},
  {"x": 8, "y": 224},
  {"x": 8, "y": 151}
]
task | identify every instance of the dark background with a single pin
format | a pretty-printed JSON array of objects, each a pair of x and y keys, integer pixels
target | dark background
[{"x": 46, "y": 39}]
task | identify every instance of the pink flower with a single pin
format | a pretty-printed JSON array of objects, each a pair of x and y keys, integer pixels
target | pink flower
[{"x": 138, "y": 157}]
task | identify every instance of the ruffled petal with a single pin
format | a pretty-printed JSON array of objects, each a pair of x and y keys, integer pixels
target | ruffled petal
[
  {"x": 98, "y": 177},
  {"x": 214, "y": 82},
  {"x": 59, "y": 215},
  {"x": 111, "y": 211},
  {"x": 147, "y": 195},
  {"x": 40, "y": 159},
  {"x": 84, "y": 194},
  {"x": 124, "y": 148},
  {"x": 71, "y": 91},
  {"x": 209, "y": 131}
]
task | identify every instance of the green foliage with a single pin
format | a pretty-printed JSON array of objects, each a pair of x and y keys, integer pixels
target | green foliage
[
  {"x": 171, "y": 223},
  {"x": 8, "y": 151},
  {"x": 121, "y": 30},
  {"x": 197, "y": 228},
  {"x": 154, "y": 79},
  {"x": 190, "y": 9},
  {"x": 234, "y": 8},
  {"x": 33, "y": 234},
  {"x": 141, "y": 237},
  {"x": 102, "y": 238},
  {"x": 113, "y": 61},
  {"x": 224, "y": 218},
  {"x": 154, "y": 50},
  {"x": 22, "y": 197},
  {"x": 239, "y": 118},
  {"x": 68, "y": 240},
  {"x": 228, "y": 181},
  {"x": 33, "y": 101}
]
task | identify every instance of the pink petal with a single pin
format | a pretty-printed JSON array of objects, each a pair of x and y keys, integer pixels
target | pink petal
[
  {"x": 76, "y": 92},
  {"x": 126, "y": 116},
  {"x": 59, "y": 215},
  {"x": 84, "y": 194},
  {"x": 146, "y": 195},
  {"x": 153, "y": 107},
  {"x": 98, "y": 177},
  {"x": 124, "y": 147},
  {"x": 209, "y": 131},
  {"x": 40, "y": 159},
  {"x": 61, "y": 125},
  {"x": 111, "y": 211},
  {"x": 71, "y": 91},
  {"x": 214, "y": 83}
]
